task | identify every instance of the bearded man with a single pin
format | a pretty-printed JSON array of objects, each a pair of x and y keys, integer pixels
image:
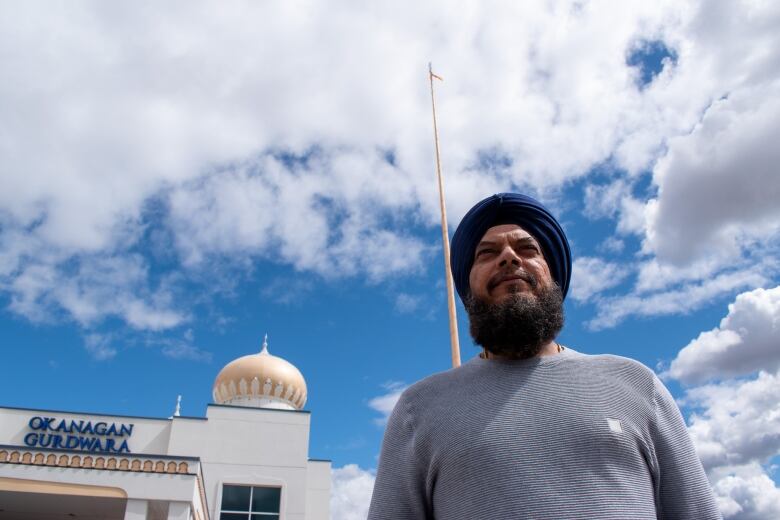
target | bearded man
[{"x": 530, "y": 428}]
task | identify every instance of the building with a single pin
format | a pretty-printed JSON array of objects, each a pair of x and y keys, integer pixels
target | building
[{"x": 246, "y": 459}]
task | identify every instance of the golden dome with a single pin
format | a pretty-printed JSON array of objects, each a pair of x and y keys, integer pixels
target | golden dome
[{"x": 261, "y": 380}]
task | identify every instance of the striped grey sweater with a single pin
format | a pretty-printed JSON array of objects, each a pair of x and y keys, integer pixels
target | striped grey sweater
[{"x": 565, "y": 436}]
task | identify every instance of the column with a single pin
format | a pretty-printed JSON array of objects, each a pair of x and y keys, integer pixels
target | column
[
  {"x": 178, "y": 511},
  {"x": 136, "y": 509}
]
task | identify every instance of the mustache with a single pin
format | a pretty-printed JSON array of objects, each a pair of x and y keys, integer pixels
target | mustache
[{"x": 518, "y": 274}]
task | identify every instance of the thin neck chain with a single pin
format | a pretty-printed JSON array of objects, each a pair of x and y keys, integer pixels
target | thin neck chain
[{"x": 486, "y": 355}]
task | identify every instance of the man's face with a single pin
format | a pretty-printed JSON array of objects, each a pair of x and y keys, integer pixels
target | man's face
[
  {"x": 508, "y": 260},
  {"x": 515, "y": 307}
]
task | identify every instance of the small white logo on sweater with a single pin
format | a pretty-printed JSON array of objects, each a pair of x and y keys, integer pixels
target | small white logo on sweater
[{"x": 614, "y": 425}]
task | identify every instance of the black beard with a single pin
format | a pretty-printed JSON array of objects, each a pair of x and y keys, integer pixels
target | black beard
[{"x": 519, "y": 326}]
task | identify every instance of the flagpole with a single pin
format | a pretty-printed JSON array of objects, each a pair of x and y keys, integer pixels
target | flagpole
[{"x": 454, "y": 345}]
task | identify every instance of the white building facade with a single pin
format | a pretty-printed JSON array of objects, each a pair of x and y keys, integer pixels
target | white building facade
[{"x": 246, "y": 459}]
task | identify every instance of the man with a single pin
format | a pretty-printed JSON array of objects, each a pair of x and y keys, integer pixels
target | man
[{"x": 532, "y": 429}]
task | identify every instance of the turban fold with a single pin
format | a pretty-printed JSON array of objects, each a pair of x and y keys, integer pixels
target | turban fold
[{"x": 510, "y": 208}]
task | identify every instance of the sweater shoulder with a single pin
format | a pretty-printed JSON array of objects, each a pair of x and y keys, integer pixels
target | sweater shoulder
[
  {"x": 613, "y": 362},
  {"x": 626, "y": 370},
  {"x": 436, "y": 385}
]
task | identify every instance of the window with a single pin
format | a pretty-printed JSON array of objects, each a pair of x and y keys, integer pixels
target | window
[{"x": 250, "y": 503}]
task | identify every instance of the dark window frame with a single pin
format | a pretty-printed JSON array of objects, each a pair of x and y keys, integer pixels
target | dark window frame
[{"x": 249, "y": 514}]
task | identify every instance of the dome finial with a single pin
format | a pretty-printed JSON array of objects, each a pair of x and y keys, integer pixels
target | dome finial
[{"x": 265, "y": 345}]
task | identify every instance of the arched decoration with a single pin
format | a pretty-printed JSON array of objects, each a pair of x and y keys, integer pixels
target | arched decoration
[{"x": 82, "y": 460}]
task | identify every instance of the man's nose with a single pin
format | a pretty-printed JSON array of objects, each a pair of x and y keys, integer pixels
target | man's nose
[{"x": 508, "y": 256}]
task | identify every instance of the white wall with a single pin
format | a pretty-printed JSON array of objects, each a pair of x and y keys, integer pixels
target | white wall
[
  {"x": 238, "y": 435},
  {"x": 251, "y": 446},
  {"x": 318, "y": 490}
]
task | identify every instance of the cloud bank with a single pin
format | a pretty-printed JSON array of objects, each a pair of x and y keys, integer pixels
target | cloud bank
[
  {"x": 735, "y": 419},
  {"x": 300, "y": 134},
  {"x": 745, "y": 342}
]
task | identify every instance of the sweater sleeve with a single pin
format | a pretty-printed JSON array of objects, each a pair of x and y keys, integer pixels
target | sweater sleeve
[
  {"x": 400, "y": 487},
  {"x": 681, "y": 486}
]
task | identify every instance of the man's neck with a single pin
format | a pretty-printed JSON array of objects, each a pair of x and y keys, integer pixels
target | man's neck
[{"x": 550, "y": 349}]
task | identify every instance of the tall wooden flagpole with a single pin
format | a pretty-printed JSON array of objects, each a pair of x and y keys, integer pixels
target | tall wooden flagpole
[{"x": 455, "y": 346}]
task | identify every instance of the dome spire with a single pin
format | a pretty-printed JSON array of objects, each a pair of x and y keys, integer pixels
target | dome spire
[{"x": 265, "y": 345}]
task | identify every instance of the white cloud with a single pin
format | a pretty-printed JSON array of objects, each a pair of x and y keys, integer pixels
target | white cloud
[
  {"x": 735, "y": 427},
  {"x": 184, "y": 350},
  {"x": 94, "y": 288},
  {"x": 603, "y": 200},
  {"x": 591, "y": 276},
  {"x": 747, "y": 493},
  {"x": 739, "y": 422},
  {"x": 288, "y": 290},
  {"x": 385, "y": 403},
  {"x": 745, "y": 341},
  {"x": 735, "y": 423},
  {"x": 654, "y": 275},
  {"x": 407, "y": 303},
  {"x": 314, "y": 216},
  {"x": 682, "y": 300},
  {"x": 300, "y": 133},
  {"x": 719, "y": 185},
  {"x": 350, "y": 496},
  {"x": 99, "y": 346},
  {"x": 615, "y": 200},
  {"x": 612, "y": 245}
]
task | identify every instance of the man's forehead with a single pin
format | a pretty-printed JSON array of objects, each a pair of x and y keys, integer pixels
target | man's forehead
[{"x": 506, "y": 230}]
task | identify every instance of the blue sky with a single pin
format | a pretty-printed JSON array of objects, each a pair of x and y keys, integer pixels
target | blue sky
[{"x": 178, "y": 181}]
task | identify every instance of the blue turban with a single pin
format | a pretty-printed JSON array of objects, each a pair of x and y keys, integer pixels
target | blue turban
[{"x": 510, "y": 208}]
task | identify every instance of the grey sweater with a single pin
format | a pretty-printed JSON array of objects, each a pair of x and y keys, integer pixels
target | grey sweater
[{"x": 565, "y": 436}]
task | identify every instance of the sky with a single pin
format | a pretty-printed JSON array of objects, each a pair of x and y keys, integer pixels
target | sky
[{"x": 179, "y": 179}]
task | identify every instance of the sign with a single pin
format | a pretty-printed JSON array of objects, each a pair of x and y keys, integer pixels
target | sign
[{"x": 70, "y": 434}]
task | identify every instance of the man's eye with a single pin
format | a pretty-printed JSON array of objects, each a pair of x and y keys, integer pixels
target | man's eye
[
  {"x": 528, "y": 248},
  {"x": 483, "y": 252}
]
